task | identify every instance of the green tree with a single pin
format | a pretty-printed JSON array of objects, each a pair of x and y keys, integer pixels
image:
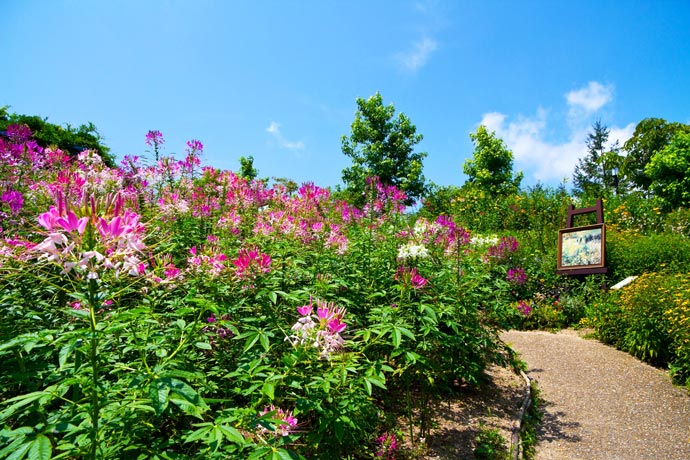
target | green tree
[
  {"x": 67, "y": 138},
  {"x": 491, "y": 168},
  {"x": 651, "y": 136},
  {"x": 382, "y": 144},
  {"x": 247, "y": 169},
  {"x": 669, "y": 172},
  {"x": 594, "y": 173}
]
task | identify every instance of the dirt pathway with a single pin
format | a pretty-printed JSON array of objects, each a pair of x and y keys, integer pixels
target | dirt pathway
[{"x": 601, "y": 403}]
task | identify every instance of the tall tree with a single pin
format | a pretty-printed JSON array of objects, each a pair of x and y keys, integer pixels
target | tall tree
[
  {"x": 651, "y": 136},
  {"x": 669, "y": 172},
  {"x": 382, "y": 144},
  {"x": 491, "y": 168},
  {"x": 594, "y": 173},
  {"x": 67, "y": 138}
]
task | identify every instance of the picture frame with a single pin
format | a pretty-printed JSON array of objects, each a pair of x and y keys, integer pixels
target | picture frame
[{"x": 582, "y": 249}]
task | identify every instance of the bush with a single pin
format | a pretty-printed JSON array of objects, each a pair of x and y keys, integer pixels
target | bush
[
  {"x": 632, "y": 254},
  {"x": 650, "y": 319}
]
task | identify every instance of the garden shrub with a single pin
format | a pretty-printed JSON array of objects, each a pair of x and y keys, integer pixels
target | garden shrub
[
  {"x": 649, "y": 319},
  {"x": 632, "y": 254}
]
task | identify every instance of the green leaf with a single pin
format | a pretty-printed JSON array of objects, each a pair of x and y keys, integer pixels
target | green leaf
[
  {"x": 232, "y": 434},
  {"x": 159, "y": 392},
  {"x": 397, "y": 337},
  {"x": 285, "y": 455},
  {"x": 66, "y": 351},
  {"x": 264, "y": 341},
  {"x": 23, "y": 400},
  {"x": 203, "y": 345},
  {"x": 40, "y": 448},
  {"x": 259, "y": 453},
  {"x": 20, "y": 452},
  {"x": 269, "y": 390}
]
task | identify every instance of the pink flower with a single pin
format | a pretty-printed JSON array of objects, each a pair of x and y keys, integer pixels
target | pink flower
[
  {"x": 524, "y": 308},
  {"x": 251, "y": 263},
  {"x": 388, "y": 444},
  {"x": 154, "y": 139},
  {"x": 305, "y": 310},
  {"x": 14, "y": 200},
  {"x": 410, "y": 277},
  {"x": 285, "y": 421},
  {"x": 516, "y": 276},
  {"x": 72, "y": 222}
]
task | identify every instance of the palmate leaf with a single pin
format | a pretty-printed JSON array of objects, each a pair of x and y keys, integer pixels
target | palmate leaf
[
  {"x": 40, "y": 448},
  {"x": 22, "y": 400},
  {"x": 167, "y": 390}
]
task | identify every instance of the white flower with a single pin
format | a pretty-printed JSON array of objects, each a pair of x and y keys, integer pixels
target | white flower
[{"x": 412, "y": 251}]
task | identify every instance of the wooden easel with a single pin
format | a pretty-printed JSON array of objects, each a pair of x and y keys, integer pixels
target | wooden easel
[{"x": 572, "y": 212}]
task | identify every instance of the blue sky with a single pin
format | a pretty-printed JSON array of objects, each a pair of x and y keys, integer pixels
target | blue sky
[{"x": 278, "y": 80}]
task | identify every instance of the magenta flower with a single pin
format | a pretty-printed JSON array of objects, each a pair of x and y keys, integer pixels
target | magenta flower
[
  {"x": 388, "y": 444},
  {"x": 251, "y": 263},
  {"x": 507, "y": 245},
  {"x": 154, "y": 138},
  {"x": 14, "y": 200},
  {"x": 305, "y": 310},
  {"x": 516, "y": 276},
  {"x": 524, "y": 308},
  {"x": 286, "y": 422},
  {"x": 410, "y": 277},
  {"x": 321, "y": 331}
]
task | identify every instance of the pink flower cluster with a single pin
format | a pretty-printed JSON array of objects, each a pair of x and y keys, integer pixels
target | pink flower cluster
[
  {"x": 286, "y": 422},
  {"x": 410, "y": 277},
  {"x": 507, "y": 245},
  {"x": 516, "y": 276},
  {"x": 524, "y": 308},
  {"x": 251, "y": 263},
  {"x": 387, "y": 446},
  {"x": 206, "y": 259},
  {"x": 115, "y": 244},
  {"x": 321, "y": 331}
]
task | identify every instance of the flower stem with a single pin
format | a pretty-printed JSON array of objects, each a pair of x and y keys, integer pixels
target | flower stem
[{"x": 93, "y": 355}]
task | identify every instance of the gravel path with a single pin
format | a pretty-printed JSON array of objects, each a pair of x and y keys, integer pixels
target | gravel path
[{"x": 600, "y": 403}]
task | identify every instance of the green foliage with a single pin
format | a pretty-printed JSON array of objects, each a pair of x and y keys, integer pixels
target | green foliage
[
  {"x": 247, "y": 169},
  {"x": 491, "y": 168},
  {"x": 382, "y": 145},
  {"x": 650, "y": 137},
  {"x": 67, "y": 138},
  {"x": 669, "y": 172},
  {"x": 490, "y": 445},
  {"x": 630, "y": 254},
  {"x": 593, "y": 175},
  {"x": 649, "y": 319}
]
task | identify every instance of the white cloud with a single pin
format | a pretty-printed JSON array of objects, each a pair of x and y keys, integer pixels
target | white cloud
[
  {"x": 418, "y": 55},
  {"x": 274, "y": 130},
  {"x": 591, "y": 98},
  {"x": 547, "y": 161}
]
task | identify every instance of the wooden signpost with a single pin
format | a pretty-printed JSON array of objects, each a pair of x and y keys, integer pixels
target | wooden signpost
[{"x": 582, "y": 250}]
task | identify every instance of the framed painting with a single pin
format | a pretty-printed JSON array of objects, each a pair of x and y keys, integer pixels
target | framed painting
[{"x": 581, "y": 247}]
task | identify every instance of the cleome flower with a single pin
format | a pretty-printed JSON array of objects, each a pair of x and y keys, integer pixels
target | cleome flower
[
  {"x": 412, "y": 251},
  {"x": 321, "y": 330},
  {"x": 282, "y": 421}
]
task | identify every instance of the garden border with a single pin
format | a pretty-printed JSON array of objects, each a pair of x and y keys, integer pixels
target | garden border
[{"x": 526, "y": 402}]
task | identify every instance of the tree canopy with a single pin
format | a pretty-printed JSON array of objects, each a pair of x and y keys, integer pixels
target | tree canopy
[
  {"x": 382, "y": 144},
  {"x": 594, "y": 173},
  {"x": 669, "y": 172},
  {"x": 67, "y": 138},
  {"x": 650, "y": 137},
  {"x": 491, "y": 168}
]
